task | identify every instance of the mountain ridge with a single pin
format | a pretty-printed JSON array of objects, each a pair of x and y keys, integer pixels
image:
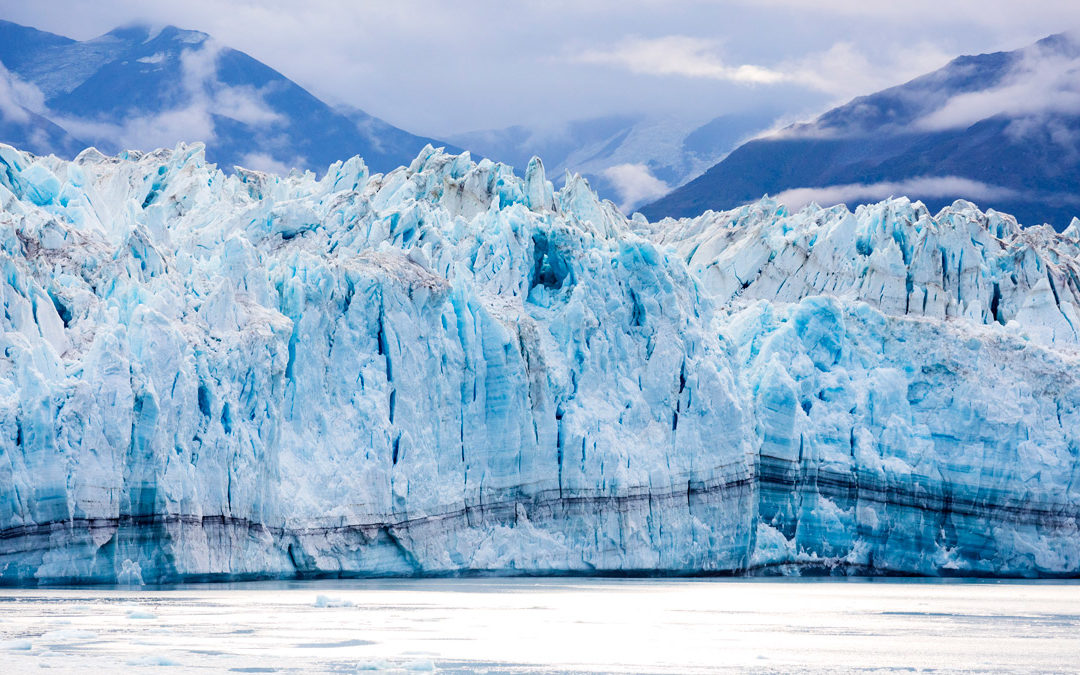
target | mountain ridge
[
  {"x": 1023, "y": 161},
  {"x": 630, "y": 158},
  {"x": 143, "y": 87}
]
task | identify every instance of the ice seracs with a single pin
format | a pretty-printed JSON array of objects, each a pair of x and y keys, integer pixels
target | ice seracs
[
  {"x": 894, "y": 255},
  {"x": 449, "y": 368}
]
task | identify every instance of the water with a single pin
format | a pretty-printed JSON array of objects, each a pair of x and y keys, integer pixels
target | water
[{"x": 530, "y": 625}]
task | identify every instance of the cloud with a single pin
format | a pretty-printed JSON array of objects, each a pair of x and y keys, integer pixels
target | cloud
[
  {"x": 205, "y": 96},
  {"x": 843, "y": 70},
  {"x": 635, "y": 184},
  {"x": 1007, "y": 15},
  {"x": 458, "y": 50},
  {"x": 677, "y": 55},
  {"x": 199, "y": 76},
  {"x": 198, "y": 66},
  {"x": 18, "y": 98},
  {"x": 1042, "y": 82},
  {"x": 260, "y": 161},
  {"x": 923, "y": 187},
  {"x": 147, "y": 132},
  {"x": 244, "y": 104}
]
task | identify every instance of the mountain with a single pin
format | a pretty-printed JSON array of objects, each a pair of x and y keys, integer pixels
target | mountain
[
  {"x": 450, "y": 369},
  {"x": 21, "y": 103},
  {"x": 630, "y": 159},
  {"x": 143, "y": 88},
  {"x": 1001, "y": 129},
  {"x": 22, "y": 126}
]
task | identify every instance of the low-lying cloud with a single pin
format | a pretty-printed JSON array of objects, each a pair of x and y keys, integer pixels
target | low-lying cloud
[
  {"x": 923, "y": 187},
  {"x": 635, "y": 184},
  {"x": 677, "y": 55},
  {"x": 18, "y": 98},
  {"x": 261, "y": 161},
  {"x": 146, "y": 132},
  {"x": 1044, "y": 81},
  {"x": 205, "y": 96},
  {"x": 842, "y": 70}
]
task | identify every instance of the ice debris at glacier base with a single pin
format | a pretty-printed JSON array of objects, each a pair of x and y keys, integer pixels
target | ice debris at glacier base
[{"x": 448, "y": 368}]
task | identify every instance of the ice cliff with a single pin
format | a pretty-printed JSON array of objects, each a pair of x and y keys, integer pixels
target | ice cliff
[{"x": 448, "y": 368}]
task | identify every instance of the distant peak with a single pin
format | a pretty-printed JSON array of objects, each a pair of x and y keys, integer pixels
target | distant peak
[
  {"x": 1067, "y": 43},
  {"x": 133, "y": 32},
  {"x": 140, "y": 32}
]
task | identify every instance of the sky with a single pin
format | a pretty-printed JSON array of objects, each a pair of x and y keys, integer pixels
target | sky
[{"x": 440, "y": 68}]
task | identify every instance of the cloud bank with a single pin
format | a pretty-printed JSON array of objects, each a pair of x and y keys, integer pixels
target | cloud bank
[
  {"x": 677, "y": 55},
  {"x": 493, "y": 64},
  {"x": 18, "y": 98},
  {"x": 635, "y": 184},
  {"x": 1044, "y": 81},
  {"x": 204, "y": 96},
  {"x": 922, "y": 187},
  {"x": 841, "y": 71}
]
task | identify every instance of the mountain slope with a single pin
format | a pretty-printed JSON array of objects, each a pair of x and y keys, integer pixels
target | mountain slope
[
  {"x": 997, "y": 128},
  {"x": 630, "y": 159},
  {"x": 21, "y": 103},
  {"x": 36, "y": 133},
  {"x": 139, "y": 88}
]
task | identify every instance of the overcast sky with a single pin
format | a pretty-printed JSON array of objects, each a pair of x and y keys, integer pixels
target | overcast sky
[{"x": 444, "y": 67}]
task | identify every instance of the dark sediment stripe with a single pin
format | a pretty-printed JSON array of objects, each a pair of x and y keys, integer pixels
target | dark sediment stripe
[{"x": 776, "y": 479}]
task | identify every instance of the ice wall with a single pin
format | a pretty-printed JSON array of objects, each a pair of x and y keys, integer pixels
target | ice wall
[
  {"x": 913, "y": 383},
  {"x": 448, "y": 368},
  {"x": 895, "y": 256},
  {"x": 443, "y": 368}
]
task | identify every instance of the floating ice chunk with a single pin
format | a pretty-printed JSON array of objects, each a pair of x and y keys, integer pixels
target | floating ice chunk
[
  {"x": 154, "y": 660},
  {"x": 65, "y": 635},
  {"x": 326, "y": 601},
  {"x": 17, "y": 645},
  {"x": 423, "y": 666}
]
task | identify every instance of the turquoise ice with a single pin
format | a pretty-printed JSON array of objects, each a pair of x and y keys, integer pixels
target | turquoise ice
[{"x": 449, "y": 368}]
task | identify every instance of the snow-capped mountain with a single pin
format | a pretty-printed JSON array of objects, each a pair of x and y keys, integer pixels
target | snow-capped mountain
[
  {"x": 630, "y": 159},
  {"x": 448, "y": 368},
  {"x": 144, "y": 88},
  {"x": 1002, "y": 129}
]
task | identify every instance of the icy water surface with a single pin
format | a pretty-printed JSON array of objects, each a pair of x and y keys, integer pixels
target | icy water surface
[{"x": 531, "y": 625}]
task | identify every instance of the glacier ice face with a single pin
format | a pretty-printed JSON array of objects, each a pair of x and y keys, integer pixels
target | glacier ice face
[
  {"x": 912, "y": 378},
  {"x": 449, "y": 368},
  {"x": 894, "y": 255},
  {"x": 442, "y": 368},
  {"x": 892, "y": 444}
]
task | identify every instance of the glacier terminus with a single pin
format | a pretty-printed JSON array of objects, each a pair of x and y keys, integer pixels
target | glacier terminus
[{"x": 451, "y": 369}]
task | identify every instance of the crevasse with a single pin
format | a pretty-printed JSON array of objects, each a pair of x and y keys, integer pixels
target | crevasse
[{"x": 451, "y": 369}]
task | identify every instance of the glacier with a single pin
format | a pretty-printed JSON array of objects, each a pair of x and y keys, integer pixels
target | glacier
[{"x": 449, "y": 369}]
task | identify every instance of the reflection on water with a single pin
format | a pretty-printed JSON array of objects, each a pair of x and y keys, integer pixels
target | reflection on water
[{"x": 528, "y": 625}]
